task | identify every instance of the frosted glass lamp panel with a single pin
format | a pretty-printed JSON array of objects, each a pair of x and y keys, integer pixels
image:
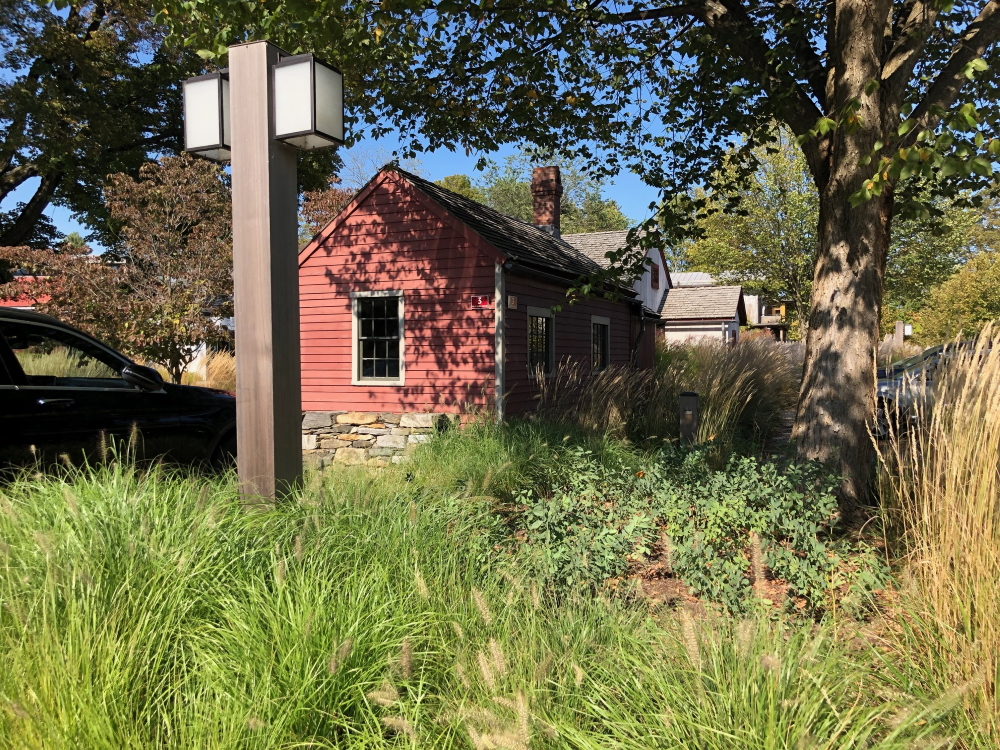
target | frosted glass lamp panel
[
  {"x": 227, "y": 126},
  {"x": 293, "y": 99},
  {"x": 329, "y": 102},
  {"x": 201, "y": 114}
]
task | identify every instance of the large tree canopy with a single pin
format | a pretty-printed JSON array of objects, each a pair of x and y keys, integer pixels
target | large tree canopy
[
  {"x": 88, "y": 88},
  {"x": 883, "y": 96}
]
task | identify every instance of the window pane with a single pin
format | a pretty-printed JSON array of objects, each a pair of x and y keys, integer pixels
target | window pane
[
  {"x": 378, "y": 337},
  {"x": 539, "y": 343},
  {"x": 50, "y": 356},
  {"x": 600, "y": 345}
]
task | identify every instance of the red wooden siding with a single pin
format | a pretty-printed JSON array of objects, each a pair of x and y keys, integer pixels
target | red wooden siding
[
  {"x": 397, "y": 239},
  {"x": 647, "y": 344},
  {"x": 572, "y": 335}
]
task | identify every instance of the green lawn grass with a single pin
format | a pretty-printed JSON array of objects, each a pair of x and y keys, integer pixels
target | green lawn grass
[{"x": 151, "y": 609}]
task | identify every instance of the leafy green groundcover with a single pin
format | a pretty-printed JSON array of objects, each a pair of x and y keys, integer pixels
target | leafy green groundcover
[{"x": 726, "y": 534}]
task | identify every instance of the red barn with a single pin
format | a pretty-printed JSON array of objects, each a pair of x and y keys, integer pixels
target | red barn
[{"x": 417, "y": 301}]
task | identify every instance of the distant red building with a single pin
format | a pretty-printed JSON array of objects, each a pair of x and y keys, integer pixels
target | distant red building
[
  {"x": 415, "y": 299},
  {"x": 26, "y": 302}
]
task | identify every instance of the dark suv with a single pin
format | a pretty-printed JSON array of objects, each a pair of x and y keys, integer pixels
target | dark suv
[{"x": 62, "y": 390}]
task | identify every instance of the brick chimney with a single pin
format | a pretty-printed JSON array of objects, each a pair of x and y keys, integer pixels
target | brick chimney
[{"x": 546, "y": 192}]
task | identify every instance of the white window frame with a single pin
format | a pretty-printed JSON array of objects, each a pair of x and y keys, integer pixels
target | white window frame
[
  {"x": 542, "y": 312},
  {"x": 356, "y": 378},
  {"x": 599, "y": 320}
]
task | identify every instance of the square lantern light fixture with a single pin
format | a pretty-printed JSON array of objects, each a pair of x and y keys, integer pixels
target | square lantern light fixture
[
  {"x": 308, "y": 102},
  {"x": 207, "y": 129}
]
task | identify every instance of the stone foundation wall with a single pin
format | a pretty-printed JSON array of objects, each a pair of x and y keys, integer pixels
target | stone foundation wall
[{"x": 364, "y": 437}]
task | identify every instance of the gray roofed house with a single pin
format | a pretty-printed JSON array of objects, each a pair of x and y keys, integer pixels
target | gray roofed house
[{"x": 713, "y": 312}]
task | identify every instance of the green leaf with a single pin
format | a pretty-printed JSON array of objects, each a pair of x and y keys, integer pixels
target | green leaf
[
  {"x": 862, "y": 196},
  {"x": 982, "y": 166},
  {"x": 904, "y": 127},
  {"x": 824, "y": 125}
]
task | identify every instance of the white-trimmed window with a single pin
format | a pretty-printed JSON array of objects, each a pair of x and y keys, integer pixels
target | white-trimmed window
[
  {"x": 378, "y": 338},
  {"x": 600, "y": 342},
  {"x": 541, "y": 341}
]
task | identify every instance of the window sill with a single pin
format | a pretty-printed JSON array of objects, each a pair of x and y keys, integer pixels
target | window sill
[{"x": 378, "y": 381}]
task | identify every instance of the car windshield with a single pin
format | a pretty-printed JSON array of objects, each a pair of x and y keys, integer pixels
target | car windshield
[{"x": 915, "y": 361}]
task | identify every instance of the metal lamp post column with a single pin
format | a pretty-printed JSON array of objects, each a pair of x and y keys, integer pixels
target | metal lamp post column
[{"x": 266, "y": 282}]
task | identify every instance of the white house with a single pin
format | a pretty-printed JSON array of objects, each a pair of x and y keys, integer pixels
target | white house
[{"x": 653, "y": 284}]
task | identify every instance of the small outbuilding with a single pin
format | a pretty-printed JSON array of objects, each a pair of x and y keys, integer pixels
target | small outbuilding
[
  {"x": 703, "y": 312},
  {"x": 417, "y": 300}
]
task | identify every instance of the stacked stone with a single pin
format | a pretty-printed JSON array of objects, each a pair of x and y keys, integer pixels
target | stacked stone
[{"x": 363, "y": 437}]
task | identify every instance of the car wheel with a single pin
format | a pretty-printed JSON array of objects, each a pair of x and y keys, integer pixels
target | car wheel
[{"x": 225, "y": 453}]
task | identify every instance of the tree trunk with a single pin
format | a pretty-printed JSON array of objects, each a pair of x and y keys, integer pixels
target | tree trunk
[{"x": 837, "y": 398}]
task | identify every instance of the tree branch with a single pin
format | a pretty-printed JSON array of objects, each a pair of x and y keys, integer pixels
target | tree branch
[
  {"x": 732, "y": 26},
  {"x": 978, "y": 37},
  {"x": 10, "y": 179},
  {"x": 652, "y": 14},
  {"x": 908, "y": 40},
  {"x": 813, "y": 68},
  {"x": 19, "y": 232}
]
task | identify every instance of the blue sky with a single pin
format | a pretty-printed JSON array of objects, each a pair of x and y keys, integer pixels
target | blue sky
[{"x": 631, "y": 194}]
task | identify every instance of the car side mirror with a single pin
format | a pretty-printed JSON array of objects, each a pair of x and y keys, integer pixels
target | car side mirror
[{"x": 144, "y": 378}]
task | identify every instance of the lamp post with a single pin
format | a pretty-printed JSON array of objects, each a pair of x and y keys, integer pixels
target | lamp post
[{"x": 275, "y": 103}]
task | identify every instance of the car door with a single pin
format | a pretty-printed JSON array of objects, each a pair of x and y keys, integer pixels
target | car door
[{"x": 72, "y": 399}]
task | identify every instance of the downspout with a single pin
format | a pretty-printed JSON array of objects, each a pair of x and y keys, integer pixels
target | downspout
[{"x": 642, "y": 329}]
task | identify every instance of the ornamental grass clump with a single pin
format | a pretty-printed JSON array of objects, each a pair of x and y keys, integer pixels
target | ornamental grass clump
[
  {"x": 743, "y": 390},
  {"x": 944, "y": 489}
]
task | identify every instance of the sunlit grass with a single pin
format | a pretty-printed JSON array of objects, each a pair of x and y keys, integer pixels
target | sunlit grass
[{"x": 943, "y": 481}]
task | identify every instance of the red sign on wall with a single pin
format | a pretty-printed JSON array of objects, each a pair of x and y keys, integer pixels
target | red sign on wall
[{"x": 480, "y": 301}]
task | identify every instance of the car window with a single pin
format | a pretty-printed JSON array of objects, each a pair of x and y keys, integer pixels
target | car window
[{"x": 54, "y": 357}]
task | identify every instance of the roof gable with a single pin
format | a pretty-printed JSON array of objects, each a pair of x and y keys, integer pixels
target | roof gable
[
  {"x": 516, "y": 239},
  {"x": 499, "y": 234},
  {"x": 597, "y": 245}
]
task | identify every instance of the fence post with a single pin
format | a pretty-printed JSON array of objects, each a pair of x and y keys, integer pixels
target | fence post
[{"x": 689, "y": 416}]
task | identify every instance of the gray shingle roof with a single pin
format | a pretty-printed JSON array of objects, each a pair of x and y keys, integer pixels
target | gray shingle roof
[
  {"x": 692, "y": 278},
  {"x": 596, "y": 245},
  {"x": 518, "y": 240},
  {"x": 703, "y": 303}
]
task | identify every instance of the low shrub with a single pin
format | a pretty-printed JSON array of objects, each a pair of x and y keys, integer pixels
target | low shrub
[
  {"x": 732, "y": 531},
  {"x": 732, "y": 536}
]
